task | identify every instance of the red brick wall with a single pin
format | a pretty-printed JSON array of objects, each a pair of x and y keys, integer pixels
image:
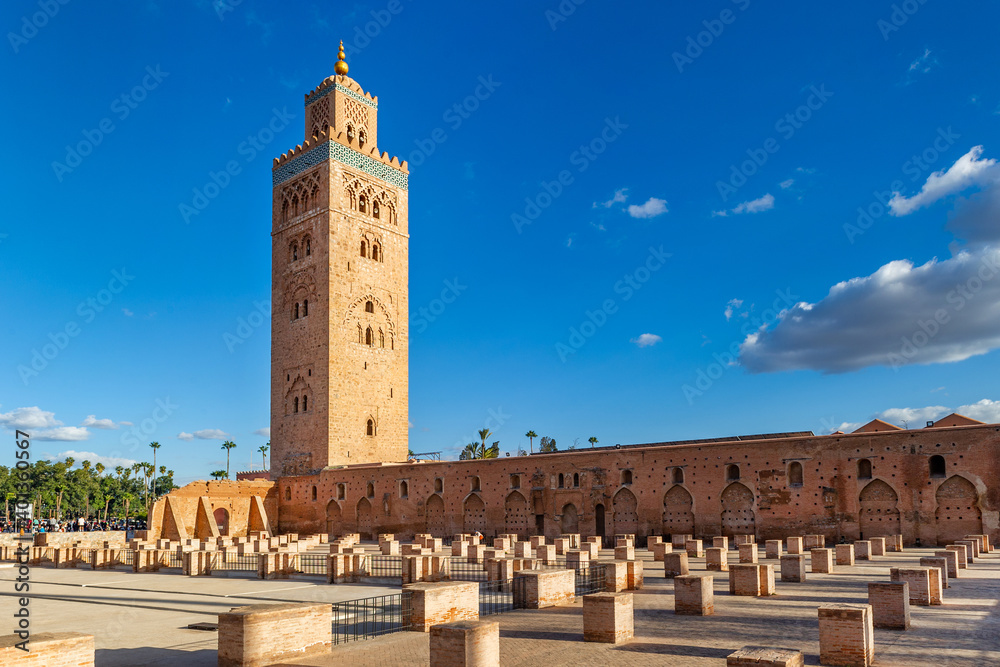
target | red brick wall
[{"x": 49, "y": 649}]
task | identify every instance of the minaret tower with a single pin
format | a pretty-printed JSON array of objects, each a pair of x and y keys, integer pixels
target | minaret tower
[{"x": 339, "y": 282}]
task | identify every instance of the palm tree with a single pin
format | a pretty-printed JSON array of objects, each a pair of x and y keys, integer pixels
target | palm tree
[
  {"x": 592, "y": 440},
  {"x": 483, "y": 434},
  {"x": 219, "y": 474},
  {"x": 263, "y": 453},
  {"x": 119, "y": 471},
  {"x": 227, "y": 445},
  {"x": 154, "y": 446},
  {"x": 85, "y": 465},
  {"x": 531, "y": 435},
  {"x": 100, "y": 469}
]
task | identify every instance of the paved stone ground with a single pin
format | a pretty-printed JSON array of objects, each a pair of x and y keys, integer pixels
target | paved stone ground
[{"x": 140, "y": 619}]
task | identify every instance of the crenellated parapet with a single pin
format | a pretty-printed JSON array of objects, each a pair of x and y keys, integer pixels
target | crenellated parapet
[{"x": 330, "y": 144}]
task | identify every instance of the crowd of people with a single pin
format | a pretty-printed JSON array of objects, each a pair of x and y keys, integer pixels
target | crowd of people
[{"x": 69, "y": 525}]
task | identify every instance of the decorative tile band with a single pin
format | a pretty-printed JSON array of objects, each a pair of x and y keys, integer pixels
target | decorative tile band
[
  {"x": 332, "y": 150},
  {"x": 345, "y": 90}
]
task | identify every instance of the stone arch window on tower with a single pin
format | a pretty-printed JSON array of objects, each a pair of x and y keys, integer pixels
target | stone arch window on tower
[
  {"x": 362, "y": 137},
  {"x": 375, "y": 211},
  {"x": 363, "y": 204},
  {"x": 368, "y": 337},
  {"x": 864, "y": 469},
  {"x": 476, "y": 486},
  {"x": 795, "y": 474},
  {"x": 560, "y": 483},
  {"x": 375, "y": 252},
  {"x": 438, "y": 485},
  {"x": 364, "y": 248},
  {"x": 341, "y": 491},
  {"x": 314, "y": 494},
  {"x": 350, "y": 132},
  {"x": 295, "y": 205},
  {"x": 370, "y": 428},
  {"x": 361, "y": 335},
  {"x": 305, "y": 307},
  {"x": 305, "y": 403},
  {"x": 369, "y": 307},
  {"x": 732, "y": 473},
  {"x": 381, "y": 338},
  {"x": 404, "y": 489},
  {"x": 576, "y": 480},
  {"x": 295, "y": 403},
  {"x": 295, "y": 312},
  {"x": 370, "y": 491},
  {"x": 308, "y": 245},
  {"x": 288, "y": 493},
  {"x": 938, "y": 467},
  {"x": 515, "y": 481},
  {"x": 678, "y": 476},
  {"x": 626, "y": 476},
  {"x": 295, "y": 251},
  {"x": 284, "y": 210}
]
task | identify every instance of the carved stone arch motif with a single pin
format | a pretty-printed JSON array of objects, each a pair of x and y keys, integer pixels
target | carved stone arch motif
[
  {"x": 678, "y": 512},
  {"x": 299, "y": 387},
  {"x": 356, "y": 311},
  {"x": 738, "y": 517},
  {"x": 878, "y": 510},
  {"x": 958, "y": 512},
  {"x": 300, "y": 195},
  {"x": 300, "y": 285}
]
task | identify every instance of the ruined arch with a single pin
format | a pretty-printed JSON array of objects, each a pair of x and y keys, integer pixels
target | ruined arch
[
  {"x": 678, "y": 512},
  {"x": 738, "y": 516},
  {"x": 334, "y": 518},
  {"x": 474, "y": 512},
  {"x": 365, "y": 518},
  {"x": 570, "y": 521},
  {"x": 958, "y": 513},
  {"x": 515, "y": 512},
  {"x": 434, "y": 513},
  {"x": 625, "y": 517},
  {"x": 878, "y": 510},
  {"x": 222, "y": 520}
]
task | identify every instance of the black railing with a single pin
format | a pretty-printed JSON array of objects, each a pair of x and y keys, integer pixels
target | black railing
[
  {"x": 312, "y": 564},
  {"x": 497, "y": 597},
  {"x": 235, "y": 562},
  {"x": 384, "y": 566},
  {"x": 174, "y": 559},
  {"x": 366, "y": 618},
  {"x": 467, "y": 569},
  {"x": 125, "y": 557},
  {"x": 590, "y": 579}
]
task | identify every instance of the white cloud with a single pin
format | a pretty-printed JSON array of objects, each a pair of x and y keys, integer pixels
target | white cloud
[
  {"x": 211, "y": 434},
  {"x": 109, "y": 461},
  {"x": 187, "y": 437},
  {"x": 127, "y": 312},
  {"x": 848, "y": 427},
  {"x": 784, "y": 185},
  {"x": 598, "y": 226},
  {"x": 62, "y": 433},
  {"x": 967, "y": 171},
  {"x": 923, "y": 64},
  {"x": 892, "y": 318},
  {"x": 619, "y": 198},
  {"x": 93, "y": 422},
  {"x": 731, "y": 307},
  {"x": 765, "y": 203},
  {"x": 646, "y": 340},
  {"x": 985, "y": 411},
  {"x": 652, "y": 208},
  {"x": 263, "y": 432},
  {"x": 29, "y": 418},
  {"x": 913, "y": 417},
  {"x": 806, "y": 170},
  {"x": 126, "y": 423}
]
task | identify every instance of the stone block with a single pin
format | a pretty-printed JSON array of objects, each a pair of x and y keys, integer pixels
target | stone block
[
  {"x": 720, "y": 543},
  {"x": 501, "y": 544},
  {"x": 675, "y": 564},
  {"x": 920, "y": 581},
  {"x": 537, "y": 541},
  {"x": 765, "y": 656},
  {"x": 744, "y": 579},
  {"x": 951, "y": 561},
  {"x": 890, "y": 602},
  {"x": 811, "y": 542},
  {"x": 476, "y": 551},
  {"x": 766, "y": 579},
  {"x": 939, "y": 563},
  {"x": 694, "y": 549},
  {"x": 391, "y": 548},
  {"x": 608, "y": 618},
  {"x": 576, "y": 559},
  {"x": 592, "y": 548},
  {"x": 878, "y": 546},
  {"x": 615, "y": 575},
  {"x": 821, "y": 560},
  {"x": 653, "y": 540},
  {"x": 660, "y": 549},
  {"x": 562, "y": 545},
  {"x": 748, "y": 552},
  {"x": 772, "y": 549},
  {"x": 793, "y": 568},
  {"x": 846, "y": 635},
  {"x": 547, "y": 588},
  {"x": 862, "y": 549},
  {"x": 972, "y": 549},
  {"x": 48, "y": 649},
  {"x": 845, "y": 554},
  {"x": 546, "y": 553},
  {"x": 263, "y": 634},
  {"x": 626, "y": 552},
  {"x": 793, "y": 545},
  {"x": 694, "y": 595},
  {"x": 465, "y": 644},
  {"x": 962, "y": 552},
  {"x": 717, "y": 559},
  {"x": 460, "y": 548},
  {"x": 678, "y": 541},
  {"x": 443, "y": 602},
  {"x": 524, "y": 550},
  {"x": 744, "y": 539},
  {"x": 634, "y": 568}
]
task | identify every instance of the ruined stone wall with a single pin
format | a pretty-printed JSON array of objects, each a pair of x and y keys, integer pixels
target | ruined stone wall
[
  {"x": 677, "y": 489},
  {"x": 227, "y": 506}
]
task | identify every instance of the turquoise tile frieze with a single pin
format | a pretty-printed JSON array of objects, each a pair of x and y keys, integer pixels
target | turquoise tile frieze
[
  {"x": 332, "y": 150},
  {"x": 345, "y": 90}
]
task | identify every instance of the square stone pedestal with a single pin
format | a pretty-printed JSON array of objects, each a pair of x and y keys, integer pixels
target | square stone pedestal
[{"x": 608, "y": 618}]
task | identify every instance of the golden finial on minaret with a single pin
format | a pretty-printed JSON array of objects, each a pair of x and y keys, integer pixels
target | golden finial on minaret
[{"x": 341, "y": 66}]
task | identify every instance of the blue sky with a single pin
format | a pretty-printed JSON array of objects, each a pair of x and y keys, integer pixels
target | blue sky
[{"x": 650, "y": 216}]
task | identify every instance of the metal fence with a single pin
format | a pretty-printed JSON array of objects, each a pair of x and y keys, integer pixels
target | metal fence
[
  {"x": 384, "y": 566},
  {"x": 126, "y": 556},
  {"x": 174, "y": 559},
  {"x": 312, "y": 564},
  {"x": 590, "y": 580},
  {"x": 497, "y": 597},
  {"x": 235, "y": 562},
  {"x": 466, "y": 569},
  {"x": 366, "y": 618}
]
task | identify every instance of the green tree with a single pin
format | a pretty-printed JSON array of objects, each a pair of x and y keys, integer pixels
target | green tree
[
  {"x": 592, "y": 440},
  {"x": 154, "y": 446},
  {"x": 547, "y": 445},
  {"x": 219, "y": 474},
  {"x": 531, "y": 435},
  {"x": 228, "y": 445},
  {"x": 263, "y": 453}
]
